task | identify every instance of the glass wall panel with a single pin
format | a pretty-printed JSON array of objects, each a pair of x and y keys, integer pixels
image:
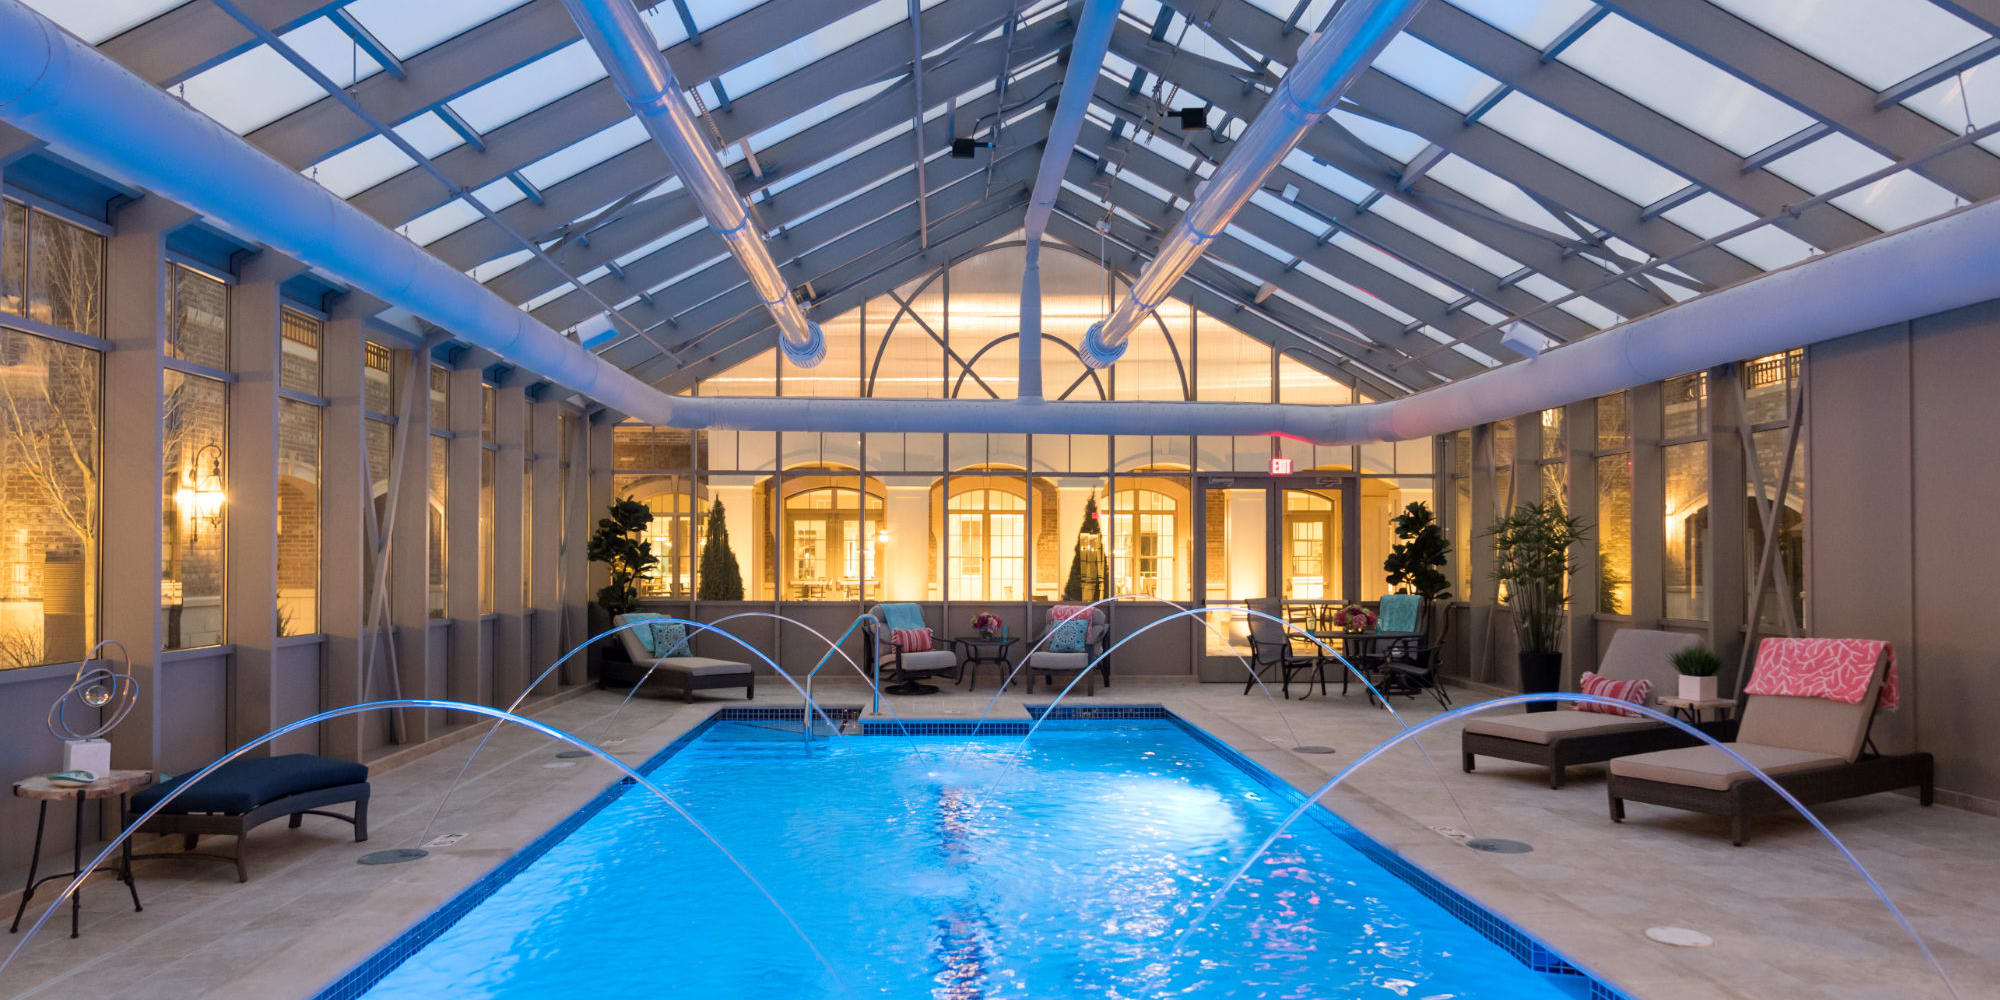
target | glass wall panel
[
  {"x": 194, "y": 508},
  {"x": 670, "y": 534},
  {"x": 1152, "y": 537},
  {"x": 907, "y": 547},
  {"x": 440, "y": 525},
  {"x": 1155, "y": 363},
  {"x": 1301, "y": 383},
  {"x": 298, "y": 517},
  {"x": 839, "y": 375},
  {"x": 905, "y": 354},
  {"x": 50, "y": 434},
  {"x": 1381, "y": 499},
  {"x": 381, "y": 439},
  {"x": 1614, "y": 534},
  {"x": 1684, "y": 406},
  {"x": 379, "y": 378},
  {"x": 197, "y": 317},
  {"x": 1080, "y": 556},
  {"x": 1614, "y": 427},
  {"x": 1790, "y": 557},
  {"x": 745, "y": 512},
  {"x": 298, "y": 360},
  {"x": 487, "y": 589},
  {"x": 1231, "y": 366},
  {"x": 643, "y": 448},
  {"x": 1686, "y": 498},
  {"x": 1506, "y": 492},
  {"x": 65, "y": 274},
  {"x": 1236, "y": 543},
  {"x": 986, "y": 538},
  {"x": 755, "y": 377},
  {"x": 1309, "y": 546},
  {"x": 1770, "y": 383},
  {"x": 832, "y": 526},
  {"x": 13, "y": 256}
]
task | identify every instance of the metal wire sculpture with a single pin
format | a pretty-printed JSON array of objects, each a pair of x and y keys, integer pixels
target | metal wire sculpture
[{"x": 97, "y": 686}]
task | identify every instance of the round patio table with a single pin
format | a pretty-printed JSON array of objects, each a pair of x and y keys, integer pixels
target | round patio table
[{"x": 975, "y": 651}]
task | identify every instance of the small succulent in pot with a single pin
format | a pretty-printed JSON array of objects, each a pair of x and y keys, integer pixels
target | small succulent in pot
[
  {"x": 986, "y": 623},
  {"x": 1354, "y": 618},
  {"x": 1697, "y": 666}
]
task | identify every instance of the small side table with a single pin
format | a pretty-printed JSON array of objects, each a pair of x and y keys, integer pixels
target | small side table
[
  {"x": 1691, "y": 709},
  {"x": 975, "y": 651},
  {"x": 39, "y": 787}
]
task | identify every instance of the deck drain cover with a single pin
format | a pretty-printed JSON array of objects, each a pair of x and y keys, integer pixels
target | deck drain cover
[
  {"x": 1679, "y": 937},
  {"x": 1311, "y": 748},
  {"x": 393, "y": 856},
  {"x": 1495, "y": 845},
  {"x": 569, "y": 754}
]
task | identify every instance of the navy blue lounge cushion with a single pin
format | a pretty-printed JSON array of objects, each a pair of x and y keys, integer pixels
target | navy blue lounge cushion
[{"x": 244, "y": 784}]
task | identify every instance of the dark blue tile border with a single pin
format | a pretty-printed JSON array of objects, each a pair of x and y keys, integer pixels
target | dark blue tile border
[{"x": 1523, "y": 946}]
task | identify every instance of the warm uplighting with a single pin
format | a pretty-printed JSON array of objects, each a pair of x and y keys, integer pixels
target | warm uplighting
[{"x": 201, "y": 496}]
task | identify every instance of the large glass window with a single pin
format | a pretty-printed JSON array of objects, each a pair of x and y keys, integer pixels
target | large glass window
[
  {"x": 440, "y": 526},
  {"x": 194, "y": 508},
  {"x": 487, "y": 590},
  {"x": 49, "y": 439},
  {"x": 986, "y": 528},
  {"x": 197, "y": 317},
  {"x": 1553, "y": 465},
  {"x": 298, "y": 535},
  {"x": 1146, "y": 533},
  {"x": 1614, "y": 506},
  {"x": 1771, "y": 384},
  {"x": 1311, "y": 568},
  {"x": 1684, "y": 458},
  {"x": 832, "y": 536},
  {"x": 51, "y": 270}
]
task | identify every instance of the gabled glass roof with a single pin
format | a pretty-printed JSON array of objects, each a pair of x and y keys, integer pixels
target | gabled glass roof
[{"x": 1468, "y": 203}]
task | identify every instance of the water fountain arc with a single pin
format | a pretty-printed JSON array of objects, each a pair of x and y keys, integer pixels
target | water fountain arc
[
  {"x": 1412, "y": 732},
  {"x": 499, "y": 716}
]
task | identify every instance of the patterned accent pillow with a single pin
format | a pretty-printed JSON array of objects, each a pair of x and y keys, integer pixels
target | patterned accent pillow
[
  {"x": 1064, "y": 612},
  {"x": 1635, "y": 691},
  {"x": 1069, "y": 636},
  {"x": 912, "y": 640},
  {"x": 669, "y": 638}
]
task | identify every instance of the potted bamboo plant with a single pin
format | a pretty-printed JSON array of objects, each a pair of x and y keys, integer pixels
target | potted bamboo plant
[
  {"x": 1531, "y": 559},
  {"x": 1697, "y": 666}
]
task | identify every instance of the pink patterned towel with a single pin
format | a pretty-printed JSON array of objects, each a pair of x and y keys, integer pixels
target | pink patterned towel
[
  {"x": 1065, "y": 612},
  {"x": 1839, "y": 669}
]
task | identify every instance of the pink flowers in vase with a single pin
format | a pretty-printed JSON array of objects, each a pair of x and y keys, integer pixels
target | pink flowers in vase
[
  {"x": 986, "y": 623},
  {"x": 1354, "y": 618}
]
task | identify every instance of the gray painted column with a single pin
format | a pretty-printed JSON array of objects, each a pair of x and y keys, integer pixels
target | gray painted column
[
  {"x": 409, "y": 555},
  {"x": 345, "y": 488},
  {"x": 1484, "y": 593},
  {"x": 596, "y": 457},
  {"x": 467, "y": 678},
  {"x": 129, "y": 543},
  {"x": 545, "y": 589},
  {"x": 1580, "y": 436},
  {"x": 252, "y": 560},
  {"x": 1649, "y": 510},
  {"x": 578, "y": 518},
  {"x": 510, "y": 656},
  {"x": 1727, "y": 555}
]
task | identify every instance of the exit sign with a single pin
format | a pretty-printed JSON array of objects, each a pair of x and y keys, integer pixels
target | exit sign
[{"x": 1281, "y": 467}]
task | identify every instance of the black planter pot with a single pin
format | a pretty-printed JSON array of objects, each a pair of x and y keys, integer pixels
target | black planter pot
[{"x": 1541, "y": 672}]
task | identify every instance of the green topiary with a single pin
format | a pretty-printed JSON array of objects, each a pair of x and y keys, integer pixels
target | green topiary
[
  {"x": 721, "y": 580},
  {"x": 617, "y": 543},
  {"x": 1416, "y": 562}
]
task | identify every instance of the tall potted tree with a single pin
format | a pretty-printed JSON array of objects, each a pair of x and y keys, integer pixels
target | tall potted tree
[
  {"x": 618, "y": 544},
  {"x": 1531, "y": 559},
  {"x": 1416, "y": 562},
  {"x": 1087, "y": 568},
  {"x": 721, "y": 579}
]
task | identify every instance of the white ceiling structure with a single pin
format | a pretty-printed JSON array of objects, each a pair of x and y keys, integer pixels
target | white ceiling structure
[{"x": 1563, "y": 165}]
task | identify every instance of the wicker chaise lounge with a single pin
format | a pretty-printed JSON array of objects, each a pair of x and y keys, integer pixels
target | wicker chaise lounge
[
  {"x": 1815, "y": 746},
  {"x": 676, "y": 670},
  {"x": 1556, "y": 740}
]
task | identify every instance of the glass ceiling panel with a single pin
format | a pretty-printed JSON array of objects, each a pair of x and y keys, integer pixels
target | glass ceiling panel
[
  {"x": 1683, "y": 86},
  {"x": 1964, "y": 102},
  {"x": 259, "y": 86},
  {"x": 1432, "y": 231},
  {"x": 1368, "y": 254},
  {"x": 96, "y": 20},
  {"x": 409, "y": 28},
  {"x": 828, "y": 40},
  {"x": 555, "y": 75},
  {"x": 1548, "y": 290},
  {"x": 1495, "y": 192},
  {"x": 1582, "y": 149},
  {"x": 1538, "y": 24},
  {"x": 1393, "y": 142},
  {"x": 585, "y": 153},
  {"x": 1434, "y": 72},
  {"x": 1708, "y": 216},
  {"x": 366, "y": 164},
  {"x": 1878, "y": 42},
  {"x": 1891, "y": 203},
  {"x": 1356, "y": 293},
  {"x": 1319, "y": 173}
]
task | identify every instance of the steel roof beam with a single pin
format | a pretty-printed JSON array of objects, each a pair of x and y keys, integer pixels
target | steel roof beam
[{"x": 179, "y": 43}]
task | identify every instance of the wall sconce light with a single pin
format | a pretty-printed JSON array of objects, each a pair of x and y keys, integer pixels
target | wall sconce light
[{"x": 202, "y": 493}]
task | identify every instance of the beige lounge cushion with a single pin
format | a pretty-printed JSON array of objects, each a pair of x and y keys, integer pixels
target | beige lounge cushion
[
  {"x": 1541, "y": 727},
  {"x": 930, "y": 659},
  {"x": 702, "y": 666},
  {"x": 1819, "y": 725},
  {"x": 1044, "y": 660},
  {"x": 1645, "y": 654},
  {"x": 1707, "y": 767}
]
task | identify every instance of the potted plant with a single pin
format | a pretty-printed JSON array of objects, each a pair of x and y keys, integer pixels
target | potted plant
[
  {"x": 986, "y": 623},
  {"x": 618, "y": 544},
  {"x": 1416, "y": 562},
  {"x": 1531, "y": 558},
  {"x": 1354, "y": 618},
  {"x": 1697, "y": 666}
]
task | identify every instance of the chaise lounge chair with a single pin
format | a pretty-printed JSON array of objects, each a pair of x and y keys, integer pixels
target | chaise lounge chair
[
  {"x": 675, "y": 669},
  {"x": 248, "y": 792},
  {"x": 1806, "y": 716},
  {"x": 1556, "y": 740}
]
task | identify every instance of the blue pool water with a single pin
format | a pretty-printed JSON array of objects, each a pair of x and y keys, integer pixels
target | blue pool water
[{"x": 959, "y": 868}]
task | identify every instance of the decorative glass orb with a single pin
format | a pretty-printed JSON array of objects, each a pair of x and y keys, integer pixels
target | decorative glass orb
[{"x": 97, "y": 696}]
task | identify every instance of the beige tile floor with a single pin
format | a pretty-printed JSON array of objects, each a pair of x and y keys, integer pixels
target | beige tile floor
[{"x": 1789, "y": 918}]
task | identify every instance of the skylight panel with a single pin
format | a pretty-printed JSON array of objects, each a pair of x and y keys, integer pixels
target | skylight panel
[
  {"x": 1768, "y": 247},
  {"x": 1963, "y": 102},
  {"x": 499, "y": 101},
  {"x": 1444, "y": 237},
  {"x": 1289, "y": 212},
  {"x": 1390, "y": 140},
  {"x": 1890, "y": 203},
  {"x": 1878, "y": 42},
  {"x": 1582, "y": 149},
  {"x": 1357, "y": 293},
  {"x": 1431, "y": 70},
  {"x": 1319, "y": 314},
  {"x": 1254, "y": 242},
  {"x": 1538, "y": 24},
  {"x": 259, "y": 86},
  {"x": 409, "y": 28},
  {"x": 498, "y": 266},
  {"x": 440, "y": 222},
  {"x": 1495, "y": 192},
  {"x": 1683, "y": 86},
  {"x": 1336, "y": 181},
  {"x": 98, "y": 20},
  {"x": 816, "y": 114},
  {"x": 1368, "y": 254},
  {"x": 585, "y": 153},
  {"x": 803, "y": 51},
  {"x": 366, "y": 164}
]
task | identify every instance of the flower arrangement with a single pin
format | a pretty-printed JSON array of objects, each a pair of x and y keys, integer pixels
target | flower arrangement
[
  {"x": 1354, "y": 618},
  {"x": 986, "y": 623}
]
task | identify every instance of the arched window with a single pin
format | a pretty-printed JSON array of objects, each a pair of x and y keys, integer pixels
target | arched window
[
  {"x": 987, "y": 534},
  {"x": 833, "y": 540},
  {"x": 1311, "y": 568},
  {"x": 1146, "y": 543},
  {"x": 670, "y": 534}
]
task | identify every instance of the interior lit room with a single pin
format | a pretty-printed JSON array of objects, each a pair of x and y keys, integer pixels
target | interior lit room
[{"x": 980, "y": 499}]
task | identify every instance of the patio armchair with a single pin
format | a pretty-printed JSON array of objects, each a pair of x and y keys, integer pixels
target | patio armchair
[
  {"x": 906, "y": 666},
  {"x": 1051, "y": 662}
]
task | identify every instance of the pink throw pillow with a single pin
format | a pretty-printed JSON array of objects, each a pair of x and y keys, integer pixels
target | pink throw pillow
[
  {"x": 912, "y": 640},
  {"x": 1634, "y": 691}
]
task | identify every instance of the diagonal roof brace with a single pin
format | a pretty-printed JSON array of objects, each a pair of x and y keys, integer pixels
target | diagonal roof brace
[{"x": 624, "y": 45}]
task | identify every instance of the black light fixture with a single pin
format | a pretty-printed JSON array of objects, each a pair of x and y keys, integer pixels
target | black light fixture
[
  {"x": 1193, "y": 118},
  {"x": 961, "y": 148}
]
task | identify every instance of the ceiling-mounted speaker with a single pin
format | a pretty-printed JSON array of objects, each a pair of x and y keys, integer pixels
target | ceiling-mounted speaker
[
  {"x": 1523, "y": 340},
  {"x": 1193, "y": 118},
  {"x": 962, "y": 148}
]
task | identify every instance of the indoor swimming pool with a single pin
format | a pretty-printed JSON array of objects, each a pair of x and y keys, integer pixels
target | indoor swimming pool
[{"x": 940, "y": 864}]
